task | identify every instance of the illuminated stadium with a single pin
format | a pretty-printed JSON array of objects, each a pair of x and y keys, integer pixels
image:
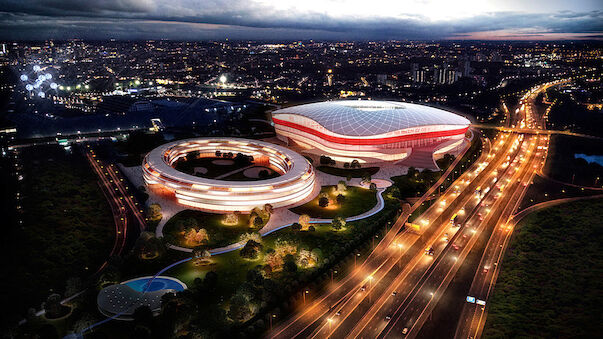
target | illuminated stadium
[
  {"x": 371, "y": 131},
  {"x": 295, "y": 183}
]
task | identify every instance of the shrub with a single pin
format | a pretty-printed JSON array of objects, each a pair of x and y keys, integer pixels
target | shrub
[{"x": 323, "y": 202}]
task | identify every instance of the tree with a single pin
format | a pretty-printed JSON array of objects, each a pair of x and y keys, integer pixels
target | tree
[
  {"x": 192, "y": 155},
  {"x": 342, "y": 186},
  {"x": 258, "y": 222},
  {"x": 311, "y": 229},
  {"x": 290, "y": 266},
  {"x": 338, "y": 223},
  {"x": 263, "y": 174},
  {"x": 355, "y": 164},
  {"x": 325, "y": 160},
  {"x": 197, "y": 237},
  {"x": 304, "y": 221},
  {"x": 296, "y": 227},
  {"x": 373, "y": 187},
  {"x": 53, "y": 306},
  {"x": 201, "y": 255},
  {"x": 340, "y": 199},
  {"x": 154, "y": 212},
  {"x": 323, "y": 201},
  {"x": 250, "y": 250},
  {"x": 239, "y": 308},
  {"x": 346, "y": 165},
  {"x": 218, "y": 154},
  {"x": 269, "y": 209}
]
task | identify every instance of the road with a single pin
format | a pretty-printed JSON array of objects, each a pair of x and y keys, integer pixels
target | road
[{"x": 472, "y": 318}]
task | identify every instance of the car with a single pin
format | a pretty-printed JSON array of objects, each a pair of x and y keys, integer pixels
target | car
[
  {"x": 388, "y": 317},
  {"x": 363, "y": 288},
  {"x": 404, "y": 330},
  {"x": 486, "y": 268},
  {"x": 338, "y": 313},
  {"x": 394, "y": 293},
  {"x": 429, "y": 251},
  {"x": 455, "y": 246}
]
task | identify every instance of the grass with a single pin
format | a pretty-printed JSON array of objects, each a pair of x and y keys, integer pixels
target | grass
[
  {"x": 357, "y": 201},
  {"x": 219, "y": 233},
  {"x": 550, "y": 281},
  {"x": 345, "y": 172}
]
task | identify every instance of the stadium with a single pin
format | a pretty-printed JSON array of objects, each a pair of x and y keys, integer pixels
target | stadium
[
  {"x": 293, "y": 185},
  {"x": 372, "y": 131}
]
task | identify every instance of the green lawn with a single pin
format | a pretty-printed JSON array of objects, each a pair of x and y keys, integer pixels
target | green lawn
[
  {"x": 219, "y": 233},
  {"x": 345, "y": 172},
  {"x": 550, "y": 281},
  {"x": 357, "y": 201}
]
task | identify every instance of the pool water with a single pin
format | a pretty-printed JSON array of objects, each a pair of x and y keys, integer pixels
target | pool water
[
  {"x": 591, "y": 158},
  {"x": 157, "y": 284}
]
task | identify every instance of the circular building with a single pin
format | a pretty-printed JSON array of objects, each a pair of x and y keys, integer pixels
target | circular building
[
  {"x": 295, "y": 183},
  {"x": 371, "y": 131}
]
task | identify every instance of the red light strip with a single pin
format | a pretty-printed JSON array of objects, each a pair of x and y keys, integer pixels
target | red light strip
[{"x": 377, "y": 141}]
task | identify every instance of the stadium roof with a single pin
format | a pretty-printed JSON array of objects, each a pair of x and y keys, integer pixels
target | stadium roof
[{"x": 368, "y": 117}]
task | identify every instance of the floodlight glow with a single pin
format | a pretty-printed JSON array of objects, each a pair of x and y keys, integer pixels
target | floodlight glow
[
  {"x": 41, "y": 78},
  {"x": 48, "y": 76},
  {"x": 223, "y": 78},
  {"x": 41, "y": 94},
  {"x": 36, "y": 68},
  {"x": 54, "y": 85},
  {"x": 28, "y": 87},
  {"x": 24, "y": 77}
]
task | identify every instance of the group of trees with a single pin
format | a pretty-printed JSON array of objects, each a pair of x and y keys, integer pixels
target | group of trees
[
  {"x": 354, "y": 164},
  {"x": 326, "y": 160}
]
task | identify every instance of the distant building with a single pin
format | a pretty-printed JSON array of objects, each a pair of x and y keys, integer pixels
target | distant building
[{"x": 382, "y": 79}]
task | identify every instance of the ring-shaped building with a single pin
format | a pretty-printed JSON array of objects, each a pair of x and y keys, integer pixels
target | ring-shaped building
[{"x": 295, "y": 184}]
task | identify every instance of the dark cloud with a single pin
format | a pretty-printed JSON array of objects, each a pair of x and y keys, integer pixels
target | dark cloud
[{"x": 197, "y": 19}]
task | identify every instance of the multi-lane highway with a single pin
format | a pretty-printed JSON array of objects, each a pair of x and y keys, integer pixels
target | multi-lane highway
[
  {"x": 123, "y": 205},
  {"x": 472, "y": 318}
]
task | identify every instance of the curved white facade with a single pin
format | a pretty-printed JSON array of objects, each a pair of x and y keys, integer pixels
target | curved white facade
[
  {"x": 369, "y": 131},
  {"x": 296, "y": 183}
]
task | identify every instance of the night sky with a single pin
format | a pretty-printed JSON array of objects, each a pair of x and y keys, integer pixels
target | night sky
[{"x": 302, "y": 19}]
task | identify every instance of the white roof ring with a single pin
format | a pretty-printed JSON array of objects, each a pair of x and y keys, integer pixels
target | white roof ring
[
  {"x": 294, "y": 185},
  {"x": 372, "y": 117}
]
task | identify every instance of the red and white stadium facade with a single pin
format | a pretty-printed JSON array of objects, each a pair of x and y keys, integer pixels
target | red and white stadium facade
[{"x": 372, "y": 131}]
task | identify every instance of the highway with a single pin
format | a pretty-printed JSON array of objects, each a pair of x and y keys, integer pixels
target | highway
[{"x": 472, "y": 318}]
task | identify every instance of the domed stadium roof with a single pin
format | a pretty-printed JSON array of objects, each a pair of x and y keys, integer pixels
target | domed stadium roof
[{"x": 368, "y": 117}]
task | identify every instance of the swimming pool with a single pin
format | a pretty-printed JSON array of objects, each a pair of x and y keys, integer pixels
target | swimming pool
[{"x": 159, "y": 283}]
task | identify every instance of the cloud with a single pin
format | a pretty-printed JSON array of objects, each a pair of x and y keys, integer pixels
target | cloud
[{"x": 261, "y": 19}]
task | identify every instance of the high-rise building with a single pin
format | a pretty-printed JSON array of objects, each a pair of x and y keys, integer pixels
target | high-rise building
[{"x": 381, "y": 79}]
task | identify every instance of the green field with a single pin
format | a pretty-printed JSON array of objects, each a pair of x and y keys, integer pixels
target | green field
[
  {"x": 550, "y": 281},
  {"x": 357, "y": 201},
  {"x": 219, "y": 233}
]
